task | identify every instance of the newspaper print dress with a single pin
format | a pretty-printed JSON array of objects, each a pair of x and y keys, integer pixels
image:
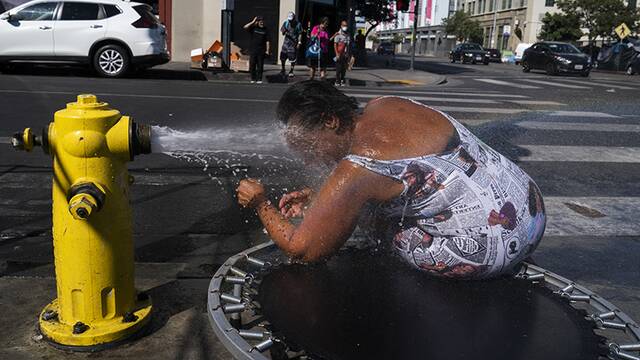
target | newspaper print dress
[{"x": 465, "y": 213}]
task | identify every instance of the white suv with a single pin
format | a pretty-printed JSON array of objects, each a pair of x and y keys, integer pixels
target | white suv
[{"x": 111, "y": 35}]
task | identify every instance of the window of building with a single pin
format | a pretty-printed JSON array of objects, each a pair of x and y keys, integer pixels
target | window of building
[
  {"x": 80, "y": 11},
  {"x": 549, "y": 3},
  {"x": 504, "y": 5},
  {"x": 491, "y": 4},
  {"x": 37, "y": 12}
]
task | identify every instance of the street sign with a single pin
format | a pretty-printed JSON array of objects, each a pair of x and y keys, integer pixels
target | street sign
[{"x": 623, "y": 31}]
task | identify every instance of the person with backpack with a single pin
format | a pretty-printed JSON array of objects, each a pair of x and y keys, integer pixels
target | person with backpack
[
  {"x": 291, "y": 29},
  {"x": 318, "y": 49},
  {"x": 258, "y": 47},
  {"x": 342, "y": 48}
]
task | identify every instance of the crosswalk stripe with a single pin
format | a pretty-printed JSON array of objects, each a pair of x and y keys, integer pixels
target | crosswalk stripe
[
  {"x": 619, "y": 216},
  {"x": 561, "y": 153},
  {"x": 439, "y": 93},
  {"x": 535, "y": 102},
  {"x": 504, "y": 83},
  {"x": 593, "y": 83},
  {"x": 542, "y": 125},
  {"x": 584, "y": 114},
  {"x": 428, "y": 98},
  {"x": 540, "y": 82},
  {"x": 480, "y": 110}
]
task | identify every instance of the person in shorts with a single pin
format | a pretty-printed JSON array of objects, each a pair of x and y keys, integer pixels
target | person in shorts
[{"x": 291, "y": 30}]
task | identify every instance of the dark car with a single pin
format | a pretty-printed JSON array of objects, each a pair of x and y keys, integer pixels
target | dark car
[
  {"x": 494, "y": 55},
  {"x": 555, "y": 58},
  {"x": 386, "y": 48},
  {"x": 634, "y": 67},
  {"x": 469, "y": 52}
]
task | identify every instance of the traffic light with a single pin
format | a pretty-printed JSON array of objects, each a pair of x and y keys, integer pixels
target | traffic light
[{"x": 402, "y": 5}]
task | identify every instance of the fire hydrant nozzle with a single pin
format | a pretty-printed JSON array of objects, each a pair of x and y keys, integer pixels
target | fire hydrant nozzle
[{"x": 97, "y": 302}]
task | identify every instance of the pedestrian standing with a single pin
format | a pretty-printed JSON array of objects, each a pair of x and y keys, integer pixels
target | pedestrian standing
[
  {"x": 258, "y": 47},
  {"x": 361, "y": 53},
  {"x": 342, "y": 48},
  {"x": 318, "y": 50},
  {"x": 291, "y": 29}
]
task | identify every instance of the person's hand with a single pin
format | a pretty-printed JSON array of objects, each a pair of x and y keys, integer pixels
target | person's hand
[
  {"x": 293, "y": 203},
  {"x": 250, "y": 193},
  {"x": 255, "y": 19}
]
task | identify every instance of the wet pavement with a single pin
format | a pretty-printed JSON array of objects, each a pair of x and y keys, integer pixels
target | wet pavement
[{"x": 577, "y": 137}]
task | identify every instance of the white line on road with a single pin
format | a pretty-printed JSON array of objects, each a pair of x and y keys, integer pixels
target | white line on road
[
  {"x": 480, "y": 110},
  {"x": 427, "y": 98},
  {"x": 504, "y": 83},
  {"x": 141, "y": 96},
  {"x": 535, "y": 102},
  {"x": 542, "y": 125},
  {"x": 439, "y": 93},
  {"x": 593, "y": 83},
  {"x": 585, "y": 114},
  {"x": 540, "y": 82},
  {"x": 620, "y": 216},
  {"x": 557, "y": 153}
]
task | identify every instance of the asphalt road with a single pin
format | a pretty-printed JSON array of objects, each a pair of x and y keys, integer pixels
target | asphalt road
[{"x": 577, "y": 137}]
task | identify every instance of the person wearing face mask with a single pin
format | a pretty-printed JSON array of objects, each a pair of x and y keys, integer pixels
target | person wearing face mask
[
  {"x": 319, "y": 38},
  {"x": 258, "y": 47},
  {"x": 291, "y": 29},
  {"x": 341, "y": 46}
]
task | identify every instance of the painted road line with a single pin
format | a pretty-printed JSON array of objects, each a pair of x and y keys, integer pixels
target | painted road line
[
  {"x": 428, "y": 98},
  {"x": 584, "y": 114},
  {"x": 479, "y": 110},
  {"x": 620, "y": 216},
  {"x": 593, "y": 83},
  {"x": 141, "y": 96},
  {"x": 535, "y": 102},
  {"x": 439, "y": 93},
  {"x": 504, "y": 83},
  {"x": 540, "y": 82},
  {"x": 600, "y": 154},
  {"x": 542, "y": 125}
]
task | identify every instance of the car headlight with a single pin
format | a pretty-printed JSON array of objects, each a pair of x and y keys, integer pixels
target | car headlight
[
  {"x": 563, "y": 60},
  {"x": 468, "y": 54},
  {"x": 487, "y": 55}
]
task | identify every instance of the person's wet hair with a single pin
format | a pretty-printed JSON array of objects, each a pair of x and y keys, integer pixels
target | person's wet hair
[{"x": 313, "y": 102}]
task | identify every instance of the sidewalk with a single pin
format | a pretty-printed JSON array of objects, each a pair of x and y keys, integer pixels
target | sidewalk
[{"x": 381, "y": 72}]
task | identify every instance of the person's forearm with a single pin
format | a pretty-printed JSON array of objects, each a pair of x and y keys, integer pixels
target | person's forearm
[
  {"x": 248, "y": 25},
  {"x": 280, "y": 229},
  {"x": 268, "y": 47}
]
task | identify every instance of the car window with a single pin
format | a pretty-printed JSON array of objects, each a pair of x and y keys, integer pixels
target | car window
[
  {"x": 563, "y": 48},
  {"x": 37, "y": 12},
  {"x": 111, "y": 10},
  {"x": 80, "y": 11}
]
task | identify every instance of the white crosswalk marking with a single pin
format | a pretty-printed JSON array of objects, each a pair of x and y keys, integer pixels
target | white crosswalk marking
[
  {"x": 541, "y": 82},
  {"x": 535, "y": 102},
  {"x": 428, "y": 98},
  {"x": 504, "y": 83},
  {"x": 559, "y": 153},
  {"x": 544, "y": 125},
  {"x": 583, "y": 114},
  {"x": 438, "y": 93},
  {"x": 593, "y": 83}
]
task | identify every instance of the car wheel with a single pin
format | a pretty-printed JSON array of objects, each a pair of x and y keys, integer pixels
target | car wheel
[
  {"x": 585, "y": 74},
  {"x": 551, "y": 68},
  {"x": 453, "y": 60},
  {"x": 111, "y": 61},
  {"x": 525, "y": 67},
  {"x": 486, "y": 63}
]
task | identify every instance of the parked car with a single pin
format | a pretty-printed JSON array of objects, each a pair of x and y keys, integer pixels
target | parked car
[
  {"x": 634, "y": 67},
  {"x": 494, "y": 55},
  {"x": 469, "y": 52},
  {"x": 520, "y": 48},
  {"x": 386, "y": 48},
  {"x": 556, "y": 57},
  {"x": 112, "y": 36},
  {"x": 618, "y": 56}
]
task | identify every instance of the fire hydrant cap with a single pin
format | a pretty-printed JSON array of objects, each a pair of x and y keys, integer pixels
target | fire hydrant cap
[{"x": 87, "y": 101}]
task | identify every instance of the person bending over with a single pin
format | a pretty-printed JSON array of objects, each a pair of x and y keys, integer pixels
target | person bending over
[{"x": 447, "y": 203}]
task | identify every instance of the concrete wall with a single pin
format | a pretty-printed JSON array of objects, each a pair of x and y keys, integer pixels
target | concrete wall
[{"x": 194, "y": 24}]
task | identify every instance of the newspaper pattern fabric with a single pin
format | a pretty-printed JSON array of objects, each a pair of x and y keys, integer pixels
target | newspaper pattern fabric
[{"x": 466, "y": 213}]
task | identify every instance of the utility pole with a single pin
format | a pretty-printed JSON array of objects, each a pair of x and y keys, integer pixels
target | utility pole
[
  {"x": 493, "y": 28},
  {"x": 416, "y": 12}
]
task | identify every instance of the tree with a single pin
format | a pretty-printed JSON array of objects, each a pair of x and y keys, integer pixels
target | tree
[
  {"x": 463, "y": 27},
  {"x": 560, "y": 27},
  {"x": 374, "y": 12},
  {"x": 600, "y": 17}
]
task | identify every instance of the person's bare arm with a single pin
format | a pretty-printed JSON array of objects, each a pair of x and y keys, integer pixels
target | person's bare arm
[
  {"x": 250, "y": 23},
  {"x": 330, "y": 220}
]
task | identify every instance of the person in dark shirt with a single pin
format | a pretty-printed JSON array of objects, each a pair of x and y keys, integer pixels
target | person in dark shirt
[{"x": 258, "y": 47}]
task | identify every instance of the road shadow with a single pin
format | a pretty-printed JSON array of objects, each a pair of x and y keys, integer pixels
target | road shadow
[{"x": 86, "y": 72}]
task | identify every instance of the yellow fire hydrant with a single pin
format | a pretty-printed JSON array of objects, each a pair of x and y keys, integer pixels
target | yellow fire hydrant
[{"x": 97, "y": 302}]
